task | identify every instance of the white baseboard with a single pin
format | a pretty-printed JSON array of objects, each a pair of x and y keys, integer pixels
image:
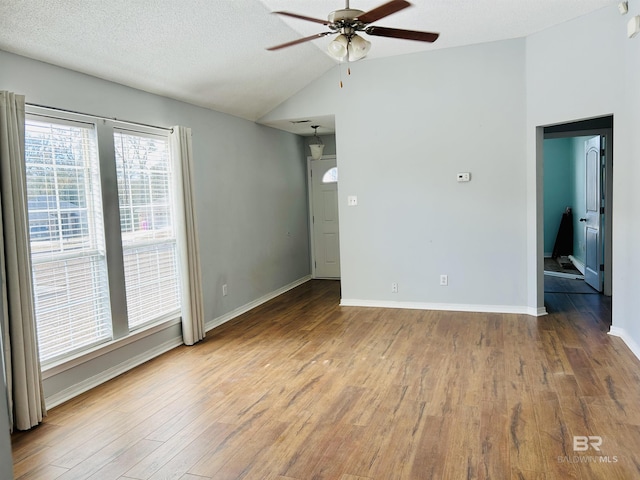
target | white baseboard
[
  {"x": 627, "y": 339},
  {"x": 577, "y": 263},
  {"x": 572, "y": 276},
  {"x": 445, "y": 307},
  {"x": 537, "y": 312},
  {"x": 92, "y": 382},
  {"x": 216, "y": 322}
]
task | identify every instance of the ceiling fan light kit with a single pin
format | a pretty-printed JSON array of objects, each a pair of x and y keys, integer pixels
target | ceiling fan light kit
[
  {"x": 348, "y": 22},
  {"x": 352, "y": 49}
]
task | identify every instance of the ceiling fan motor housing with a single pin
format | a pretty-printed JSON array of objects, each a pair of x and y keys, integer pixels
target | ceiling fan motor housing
[{"x": 344, "y": 14}]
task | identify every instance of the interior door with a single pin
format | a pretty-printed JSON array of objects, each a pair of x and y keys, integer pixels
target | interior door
[
  {"x": 593, "y": 274},
  {"x": 326, "y": 233}
]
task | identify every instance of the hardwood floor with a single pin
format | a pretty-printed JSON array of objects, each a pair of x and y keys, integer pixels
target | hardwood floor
[{"x": 301, "y": 388}]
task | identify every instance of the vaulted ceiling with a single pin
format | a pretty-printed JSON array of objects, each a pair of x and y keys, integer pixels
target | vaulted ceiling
[{"x": 213, "y": 53}]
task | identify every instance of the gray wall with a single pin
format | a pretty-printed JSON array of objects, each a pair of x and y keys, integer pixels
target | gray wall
[
  {"x": 434, "y": 114},
  {"x": 251, "y": 198},
  {"x": 573, "y": 74},
  {"x": 467, "y": 109}
]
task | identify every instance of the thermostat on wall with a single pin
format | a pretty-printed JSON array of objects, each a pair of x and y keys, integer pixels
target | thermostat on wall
[{"x": 464, "y": 177}]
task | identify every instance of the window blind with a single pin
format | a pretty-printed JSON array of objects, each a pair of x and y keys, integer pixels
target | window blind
[
  {"x": 67, "y": 237},
  {"x": 148, "y": 236}
]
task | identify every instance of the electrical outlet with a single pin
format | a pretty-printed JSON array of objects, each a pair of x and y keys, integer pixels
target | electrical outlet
[
  {"x": 444, "y": 280},
  {"x": 394, "y": 288},
  {"x": 224, "y": 290}
]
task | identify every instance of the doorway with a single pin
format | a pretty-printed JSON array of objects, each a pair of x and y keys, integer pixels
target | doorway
[
  {"x": 323, "y": 215},
  {"x": 578, "y": 160}
]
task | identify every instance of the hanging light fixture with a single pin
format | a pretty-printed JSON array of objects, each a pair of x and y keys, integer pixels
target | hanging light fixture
[
  {"x": 318, "y": 146},
  {"x": 348, "y": 47}
]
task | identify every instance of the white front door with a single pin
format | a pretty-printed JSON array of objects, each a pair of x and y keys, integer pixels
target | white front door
[
  {"x": 593, "y": 271},
  {"x": 324, "y": 212}
]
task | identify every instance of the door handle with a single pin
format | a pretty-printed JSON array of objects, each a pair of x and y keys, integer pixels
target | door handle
[{"x": 583, "y": 219}]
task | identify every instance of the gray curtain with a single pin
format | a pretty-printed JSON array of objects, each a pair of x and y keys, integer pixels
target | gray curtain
[
  {"x": 22, "y": 364},
  {"x": 193, "y": 329}
]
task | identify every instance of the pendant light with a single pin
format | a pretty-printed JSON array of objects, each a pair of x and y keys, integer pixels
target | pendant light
[{"x": 318, "y": 146}]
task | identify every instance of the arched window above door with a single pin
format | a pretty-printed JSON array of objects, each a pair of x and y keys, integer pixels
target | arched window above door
[{"x": 330, "y": 176}]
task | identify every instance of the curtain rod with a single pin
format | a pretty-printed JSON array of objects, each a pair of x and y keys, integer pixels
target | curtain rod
[{"x": 101, "y": 117}]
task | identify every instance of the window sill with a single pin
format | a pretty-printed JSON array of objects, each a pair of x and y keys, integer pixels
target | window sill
[{"x": 67, "y": 363}]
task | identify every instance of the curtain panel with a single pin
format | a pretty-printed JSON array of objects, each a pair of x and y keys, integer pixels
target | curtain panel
[
  {"x": 22, "y": 363},
  {"x": 193, "y": 329}
]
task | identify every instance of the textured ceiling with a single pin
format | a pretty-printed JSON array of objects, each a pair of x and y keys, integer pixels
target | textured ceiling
[{"x": 212, "y": 53}]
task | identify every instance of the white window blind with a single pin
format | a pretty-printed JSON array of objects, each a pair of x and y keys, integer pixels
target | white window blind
[
  {"x": 148, "y": 236},
  {"x": 67, "y": 238}
]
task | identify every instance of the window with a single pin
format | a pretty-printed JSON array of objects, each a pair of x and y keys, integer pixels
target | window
[
  {"x": 148, "y": 237},
  {"x": 330, "y": 176},
  {"x": 75, "y": 259},
  {"x": 67, "y": 238}
]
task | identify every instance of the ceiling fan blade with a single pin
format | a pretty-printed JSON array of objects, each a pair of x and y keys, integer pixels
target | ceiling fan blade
[
  {"x": 383, "y": 11},
  {"x": 300, "y": 40},
  {"x": 404, "y": 34},
  {"x": 302, "y": 17}
]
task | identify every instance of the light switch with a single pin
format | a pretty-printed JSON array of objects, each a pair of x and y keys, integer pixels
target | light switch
[{"x": 352, "y": 200}]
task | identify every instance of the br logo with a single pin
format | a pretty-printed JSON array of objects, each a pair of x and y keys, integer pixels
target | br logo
[{"x": 582, "y": 443}]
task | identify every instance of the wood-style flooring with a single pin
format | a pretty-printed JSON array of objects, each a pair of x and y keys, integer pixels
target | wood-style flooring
[{"x": 301, "y": 388}]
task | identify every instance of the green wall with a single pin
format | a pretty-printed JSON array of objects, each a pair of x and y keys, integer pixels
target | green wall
[
  {"x": 564, "y": 186},
  {"x": 558, "y": 186}
]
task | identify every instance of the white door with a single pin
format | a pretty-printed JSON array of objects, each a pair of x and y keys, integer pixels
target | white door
[
  {"x": 324, "y": 212},
  {"x": 593, "y": 273}
]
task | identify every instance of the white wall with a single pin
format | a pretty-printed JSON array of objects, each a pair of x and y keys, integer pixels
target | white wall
[
  {"x": 404, "y": 127},
  {"x": 582, "y": 69},
  {"x": 251, "y": 198}
]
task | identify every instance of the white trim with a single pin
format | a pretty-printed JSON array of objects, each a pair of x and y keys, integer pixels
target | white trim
[
  {"x": 577, "y": 263},
  {"x": 627, "y": 339},
  {"x": 572, "y": 276},
  {"x": 514, "y": 309},
  {"x": 85, "y": 356},
  {"x": 92, "y": 382},
  {"x": 216, "y": 322}
]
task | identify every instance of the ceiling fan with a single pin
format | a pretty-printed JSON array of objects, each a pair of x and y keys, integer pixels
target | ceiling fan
[{"x": 347, "y": 22}]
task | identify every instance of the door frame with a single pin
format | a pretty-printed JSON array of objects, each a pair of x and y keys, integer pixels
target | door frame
[
  {"x": 312, "y": 244},
  {"x": 607, "y": 239}
]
